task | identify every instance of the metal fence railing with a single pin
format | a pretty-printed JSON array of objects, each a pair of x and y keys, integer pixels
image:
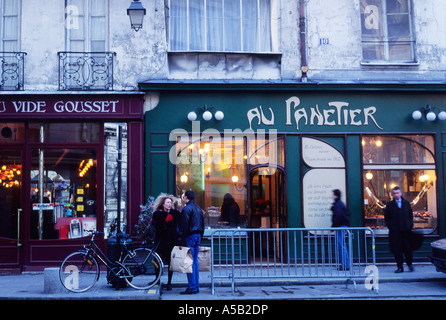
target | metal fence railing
[
  {"x": 12, "y": 71},
  {"x": 343, "y": 253},
  {"x": 86, "y": 70}
]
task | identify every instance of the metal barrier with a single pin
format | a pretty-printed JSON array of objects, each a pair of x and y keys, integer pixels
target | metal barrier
[{"x": 292, "y": 253}]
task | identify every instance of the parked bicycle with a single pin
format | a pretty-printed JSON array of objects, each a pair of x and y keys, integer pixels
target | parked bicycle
[{"x": 141, "y": 268}]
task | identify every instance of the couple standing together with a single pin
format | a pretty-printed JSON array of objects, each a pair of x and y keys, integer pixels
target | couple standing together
[{"x": 173, "y": 228}]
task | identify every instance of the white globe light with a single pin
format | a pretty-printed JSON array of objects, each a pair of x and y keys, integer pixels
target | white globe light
[
  {"x": 220, "y": 115},
  {"x": 416, "y": 115},
  {"x": 442, "y": 115},
  {"x": 207, "y": 115},
  {"x": 431, "y": 116},
  {"x": 192, "y": 116}
]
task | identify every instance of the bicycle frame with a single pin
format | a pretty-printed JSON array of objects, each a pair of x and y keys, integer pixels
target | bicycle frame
[
  {"x": 93, "y": 249},
  {"x": 96, "y": 252}
]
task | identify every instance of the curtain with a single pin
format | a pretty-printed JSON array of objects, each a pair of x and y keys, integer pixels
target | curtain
[
  {"x": 221, "y": 25},
  {"x": 80, "y": 38},
  {"x": 10, "y": 25},
  {"x": 196, "y": 25},
  {"x": 98, "y": 25},
  {"x": 214, "y": 25},
  {"x": 178, "y": 25},
  {"x": 232, "y": 25}
]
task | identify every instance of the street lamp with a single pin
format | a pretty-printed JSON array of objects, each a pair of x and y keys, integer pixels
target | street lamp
[
  {"x": 429, "y": 113},
  {"x": 136, "y": 13},
  {"x": 206, "y": 114}
]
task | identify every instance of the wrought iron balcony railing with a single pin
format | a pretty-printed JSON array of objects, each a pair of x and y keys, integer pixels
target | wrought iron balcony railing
[
  {"x": 12, "y": 66},
  {"x": 86, "y": 70}
]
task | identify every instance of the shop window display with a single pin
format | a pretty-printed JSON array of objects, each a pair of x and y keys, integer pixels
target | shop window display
[
  {"x": 213, "y": 169},
  {"x": 63, "y": 193},
  {"x": 406, "y": 161},
  {"x": 219, "y": 169}
]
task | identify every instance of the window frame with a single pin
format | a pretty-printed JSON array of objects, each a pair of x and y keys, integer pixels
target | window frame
[
  {"x": 87, "y": 27},
  {"x": 18, "y": 26},
  {"x": 402, "y": 167},
  {"x": 385, "y": 35}
]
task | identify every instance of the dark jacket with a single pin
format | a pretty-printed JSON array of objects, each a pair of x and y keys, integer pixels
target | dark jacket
[
  {"x": 341, "y": 215},
  {"x": 191, "y": 221},
  {"x": 230, "y": 212},
  {"x": 166, "y": 231},
  {"x": 398, "y": 219}
]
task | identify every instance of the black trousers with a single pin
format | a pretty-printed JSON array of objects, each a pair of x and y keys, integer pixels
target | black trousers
[{"x": 401, "y": 247}]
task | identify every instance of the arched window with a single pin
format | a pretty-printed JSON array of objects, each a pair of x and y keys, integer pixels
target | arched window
[{"x": 407, "y": 161}]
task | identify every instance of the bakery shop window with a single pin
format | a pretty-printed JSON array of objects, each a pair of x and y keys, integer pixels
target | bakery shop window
[
  {"x": 215, "y": 169},
  {"x": 407, "y": 161}
]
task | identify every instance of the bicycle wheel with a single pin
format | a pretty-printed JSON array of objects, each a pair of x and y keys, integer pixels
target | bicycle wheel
[
  {"x": 145, "y": 266},
  {"x": 79, "y": 271}
]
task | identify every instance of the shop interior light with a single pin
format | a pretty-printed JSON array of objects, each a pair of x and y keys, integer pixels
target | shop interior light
[
  {"x": 10, "y": 175},
  {"x": 85, "y": 166},
  {"x": 184, "y": 178}
]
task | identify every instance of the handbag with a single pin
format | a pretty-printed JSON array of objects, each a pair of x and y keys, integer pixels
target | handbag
[
  {"x": 204, "y": 259},
  {"x": 181, "y": 260}
]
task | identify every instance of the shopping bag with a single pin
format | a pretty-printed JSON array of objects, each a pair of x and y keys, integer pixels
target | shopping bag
[
  {"x": 181, "y": 260},
  {"x": 204, "y": 259}
]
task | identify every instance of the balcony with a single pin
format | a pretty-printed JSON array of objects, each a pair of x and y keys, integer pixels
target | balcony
[
  {"x": 86, "y": 70},
  {"x": 12, "y": 71}
]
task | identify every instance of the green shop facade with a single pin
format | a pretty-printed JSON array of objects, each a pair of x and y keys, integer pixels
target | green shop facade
[{"x": 280, "y": 149}]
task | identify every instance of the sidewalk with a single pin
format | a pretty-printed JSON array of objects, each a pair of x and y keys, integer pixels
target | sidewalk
[{"x": 30, "y": 286}]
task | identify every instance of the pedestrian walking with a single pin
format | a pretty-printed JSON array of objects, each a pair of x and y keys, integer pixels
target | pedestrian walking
[
  {"x": 165, "y": 221},
  {"x": 398, "y": 216},
  {"x": 192, "y": 229},
  {"x": 341, "y": 219}
]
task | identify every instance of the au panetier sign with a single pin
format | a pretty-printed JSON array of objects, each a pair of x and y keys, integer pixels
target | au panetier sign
[{"x": 76, "y": 106}]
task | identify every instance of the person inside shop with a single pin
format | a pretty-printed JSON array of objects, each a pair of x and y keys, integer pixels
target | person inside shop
[
  {"x": 192, "y": 229},
  {"x": 341, "y": 219},
  {"x": 165, "y": 221},
  {"x": 398, "y": 216},
  {"x": 230, "y": 210}
]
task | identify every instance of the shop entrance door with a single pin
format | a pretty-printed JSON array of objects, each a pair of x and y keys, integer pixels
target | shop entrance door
[
  {"x": 11, "y": 204},
  {"x": 267, "y": 193}
]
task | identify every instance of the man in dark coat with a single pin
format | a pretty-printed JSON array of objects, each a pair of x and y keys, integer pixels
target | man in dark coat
[
  {"x": 341, "y": 219},
  {"x": 192, "y": 229},
  {"x": 398, "y": 216}
]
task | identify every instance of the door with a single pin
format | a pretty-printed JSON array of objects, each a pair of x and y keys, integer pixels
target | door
[
  {"x": 11, "y": 201},
  {"x": 267, "y": 193}
]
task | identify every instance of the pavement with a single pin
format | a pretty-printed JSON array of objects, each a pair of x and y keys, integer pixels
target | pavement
[{"x": 30, "y": 286}]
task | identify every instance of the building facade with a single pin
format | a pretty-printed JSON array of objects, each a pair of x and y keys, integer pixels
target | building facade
[
  {"x": 276, "y": 102},
  {"x": 304, "y": 97}
]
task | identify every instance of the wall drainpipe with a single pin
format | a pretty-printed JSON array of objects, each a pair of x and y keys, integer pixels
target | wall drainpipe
[{"x": 303, "y": 41}]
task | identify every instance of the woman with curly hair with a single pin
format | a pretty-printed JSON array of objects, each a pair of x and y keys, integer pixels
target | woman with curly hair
[{"x": 165, "y": 220}]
